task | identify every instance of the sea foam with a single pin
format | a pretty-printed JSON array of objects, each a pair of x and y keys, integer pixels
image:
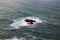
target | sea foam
[{"x": 20, "y": 22}]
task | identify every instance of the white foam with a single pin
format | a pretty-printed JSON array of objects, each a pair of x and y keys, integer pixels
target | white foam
[
  {"x": 15, "y": 38},
  {"x": 20, "y": 22}
]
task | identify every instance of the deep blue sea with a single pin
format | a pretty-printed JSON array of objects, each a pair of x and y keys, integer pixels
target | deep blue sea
[{"x": 46, "y": 10}]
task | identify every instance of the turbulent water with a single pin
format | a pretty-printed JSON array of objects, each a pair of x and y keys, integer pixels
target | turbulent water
[{"x": 46, "y": 10}]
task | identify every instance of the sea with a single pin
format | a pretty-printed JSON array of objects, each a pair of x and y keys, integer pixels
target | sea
[{"x": 45, "y": 12}]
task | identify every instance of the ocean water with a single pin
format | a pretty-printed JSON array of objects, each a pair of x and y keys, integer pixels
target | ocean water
[{"x": 46, "y": 12}]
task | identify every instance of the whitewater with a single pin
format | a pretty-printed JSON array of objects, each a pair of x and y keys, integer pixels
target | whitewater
[{"x": 20, "y": 22}]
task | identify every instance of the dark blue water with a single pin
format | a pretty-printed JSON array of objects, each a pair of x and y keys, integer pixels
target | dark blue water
[{"x": 48, "y": 10}]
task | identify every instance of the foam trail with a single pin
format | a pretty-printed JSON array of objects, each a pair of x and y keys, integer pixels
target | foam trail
[{"x": 20, "y": 22}]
